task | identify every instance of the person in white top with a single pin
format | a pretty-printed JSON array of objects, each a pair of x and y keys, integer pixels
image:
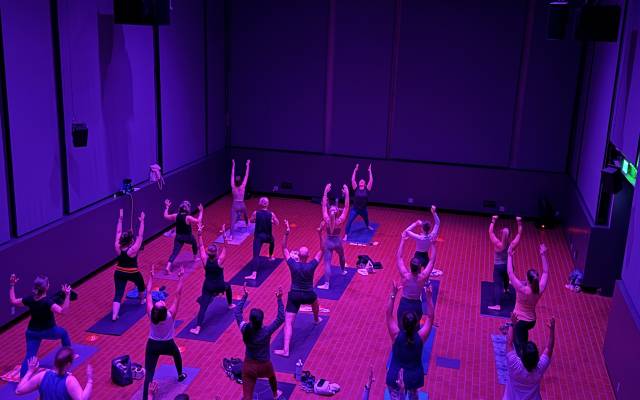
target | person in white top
[
  {"x": 525, "y": 374},
  {"x": 424, "y": 238}
]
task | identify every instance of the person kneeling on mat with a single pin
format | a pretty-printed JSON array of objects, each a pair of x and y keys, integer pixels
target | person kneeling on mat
[
  {"x": 302, "y": 272},
  {"x": 257, "y": 339},
  {"x": 214, "y": 283}
]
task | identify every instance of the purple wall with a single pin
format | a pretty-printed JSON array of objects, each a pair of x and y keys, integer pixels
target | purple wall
[
  {"x": 4, "y": 208},
  {"x": 215, "y": 76},
  {"x": 182, "y": 70},
  {"x": 107, "y": 75},
  {"x": 32, "y": 112},
  {"x": 631, "y": 268},
  {"x": 277, "y": 73}
]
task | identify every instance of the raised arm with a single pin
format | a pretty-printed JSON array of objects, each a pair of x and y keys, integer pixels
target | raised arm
[
  {"x": 280, "y": 317},
  {"x": 246, "y": 175},
  {"x": 274, "y": 219},
  {"x": 133, "y": 250},
  {"x": 325, "y": 202},
  {"x": 392, "y": 323},
  {"x": 354, "y": 184},
  {"x": 426, "y": 273},
  {"x": 233, "y": 174},
  {"x": 552, "y": 338},
  {"x": 75, "y": 390},
  {"x": 176, "y": 304},
  {"x": 240, "y": 307},
  {"x": 516, "y": 240},
  {"x": 167, "y": 216},
  {"x": 149, "y": 288},
  {"x": 425, "y": 330},
  {"x": 512, "y": 276},
  {"x": 399, "y": 257},
  {"x": 409, "y": 230},
  {"x": 119, "y": 231},
  {"x": 201, "y": 249},
  {"x": 285, "y": 250},
  {"x": 252, "y": 219},
  {"x": 31, "y": 380},
  {"x": 370, "y": 183},
  {"x": 16, "y": 301},
  {"x": 222, "y": 254},
  {"x": 492, "y": 235},
  {"x": 436, "y": 223},
  {"x": 320, "y": 252},
  {"x": 545, "y": 268},
  {"x": 345, "y": 210}
]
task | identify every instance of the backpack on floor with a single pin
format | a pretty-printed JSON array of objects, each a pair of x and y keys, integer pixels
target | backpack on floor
[
  {"x": 121, "y": 373},
  {"x": 233, "y": 368}
]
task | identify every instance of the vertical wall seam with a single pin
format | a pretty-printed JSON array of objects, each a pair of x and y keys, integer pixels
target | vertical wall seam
[
  {"x": 206, "y": 79},
  {"x": 328, "y": 105},
  {"x": 156, "y": 73},
  {"x": 393, "y": 81}
]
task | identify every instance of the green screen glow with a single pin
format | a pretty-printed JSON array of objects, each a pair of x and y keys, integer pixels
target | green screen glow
[{"x": 630, "y": 172}]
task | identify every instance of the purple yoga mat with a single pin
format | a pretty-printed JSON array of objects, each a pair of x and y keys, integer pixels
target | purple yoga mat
[
  {"x": 185, "y": 260},
  {"x": 445, "y": 362},
  {"x": 216, "y": 321},
  {"x": 500, "y": 352},
  {"x": 168, "y": 385},
  {"x": 339, "y": 284},
  {"x": 263, "y": 390},
  {"x": 265, "y": 268},
  {"x": 239, "y": 235},
  {"x": 508, "y": 301},
  {"x": 305, "y": 335},
  {"x": 361, "y": 234},
  {"x": 130, "y": 313}
]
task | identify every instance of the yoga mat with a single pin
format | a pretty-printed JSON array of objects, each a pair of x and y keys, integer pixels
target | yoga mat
[
  {"x": 305, "y": 335},
  {"x": 421, "y": 395},
  {"x": 507, "y": 304},
  {"x": 239, "y": 235},
  {"x": 444, "y": 362},
  {"x": 168, "y": 385},
  {"x": 338, "y": 286},
  {"x": 427, "y": 349},
  {"x": 360, "y": 233},
  {"x": 265, "y": 268},
  {"x": 216, "y": 321},
  {"x": 500, "y": 352},
  {"x": 185, "y": 260},
  {"x": 130, "y": 313},
  {"x": 84, "y": 351},
  {"x": 263, "y": 390}
]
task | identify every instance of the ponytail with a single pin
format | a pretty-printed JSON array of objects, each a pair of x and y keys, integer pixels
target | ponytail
[
  {"x": 256, "y": 317},
  {"x": 534, "y": 281},
  {"x": 410, "y": 325}
]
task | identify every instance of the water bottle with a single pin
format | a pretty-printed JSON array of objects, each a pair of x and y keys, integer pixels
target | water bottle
[{"x": 298, "y": 374}]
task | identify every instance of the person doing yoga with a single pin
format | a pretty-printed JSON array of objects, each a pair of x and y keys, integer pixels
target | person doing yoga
[
  {"x": 127, "y": 248},
  {"x": 332, "y": 241},
  {"x": 413, "y": 280},
  {"x": 42, "y": 309},
  {"x": 360, "y": 200},
  {"x": 425, "y": 237},
  {"x": 184, "y": 234},
  {"x": 238, "y": 188},
  {"x": 302, "y": 272},
  {"x": 257, "y": 340},
  {"x": 501, "y": 248},
  {"x": 263, "y": 234},
  {"x": 212, "y": 259}
]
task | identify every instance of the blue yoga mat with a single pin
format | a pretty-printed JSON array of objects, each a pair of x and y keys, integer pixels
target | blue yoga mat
[
  {"x": 184, "y": 260},
  {"x": 445, "y": 362},
  {"x": 361, "y": 234},
  {"x": 305, "y": 335},
  {"x": 168, "y": 385},
  {"x": 263, "y": 390},
  {"x": 339, "y": 284},
  {"x": 216, "y": 321},
  {"x": 265, "y": 268},
  {"x": 507, "y": 304},
  {"x": 500, "y": 352},
  {"x": 421, "y": 395},
  {"x": 239, "y": 235},
  {"x": 84, "y": 351},
  {"x": 130, "y": 313}
]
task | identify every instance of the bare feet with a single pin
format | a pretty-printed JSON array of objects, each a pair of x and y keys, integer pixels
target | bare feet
[
  {"x": 252, "y": 276},
  {"x": 278, "y": 394},
  {"x": 344, "y": 272},
  {"x": 344, "y": 238},
  {"x": 318, "y": 321},
  {"x": 195, "y": 331},
  {"x": 370, "y": 227},
  {"x": 324, "y": 286},
  {"x": 167, "y": 271},
  {"x": 272, "y": 258},
  {"x": 281, "y": 353},
  {"x": 494, "y": 308},
  {"x": 231, "y": 306}
]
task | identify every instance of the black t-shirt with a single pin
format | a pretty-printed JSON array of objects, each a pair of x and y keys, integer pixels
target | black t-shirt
[
  {"x": 360, "y": 199},
  {"x": 42, "y": 317},
  {"x": 302, "y": 274}
]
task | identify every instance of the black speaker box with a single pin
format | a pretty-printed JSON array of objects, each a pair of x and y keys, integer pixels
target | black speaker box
[
  {"x": 612, "y": 180},
  {"x": 80, "y": 135},
  {"x": 141, "y": 12},
  {"x": 557, "y": 20},
  {"x": 598, "y": 23}
]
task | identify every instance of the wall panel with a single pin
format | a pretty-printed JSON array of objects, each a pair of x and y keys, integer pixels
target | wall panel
[{"x": 215, "y": 75}]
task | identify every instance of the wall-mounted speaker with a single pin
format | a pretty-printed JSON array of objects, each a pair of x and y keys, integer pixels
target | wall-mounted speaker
[
  {"x": 598, "y": 23},
  {"x": 80, "y": 135},
  {"x": 558, "y": 13},
  {"x": 141, "y": 12}
]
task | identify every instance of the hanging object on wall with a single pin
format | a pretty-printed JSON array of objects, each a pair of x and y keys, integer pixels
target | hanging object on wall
[
  {"x": 155, "y": 175},
  {"x": 558, "y": 13},
  {"x": 80, "y": 135},
  {"x": 141, "y": 12}
]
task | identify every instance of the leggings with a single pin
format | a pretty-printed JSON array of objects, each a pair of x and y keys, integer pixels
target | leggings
[
  {"x": 155, "y": 349},
  {"x": 258, "y": 240},
  {"x": 34, "y": 338},
  {"x": 120, "y": 280},
  {"x": 238, "y": 209},
  {"x": 331, "y": 244},
  {"x": 521, "y": 334},
  {"x": 397, "y": 394},
  {"x": 208, "y": 295},
  {"x": 409, "y": 305},
  {"x": 500, "y": 282},
  {"x": 364, "y": 213},
  {"x": 251, "y": 371},
  {"x": 179, "y": 242}
]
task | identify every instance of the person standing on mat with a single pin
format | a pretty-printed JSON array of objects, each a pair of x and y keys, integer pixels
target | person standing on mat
[
  {"x": 264, "y": 220},
  {"x": 501, "y": 248},
  {"x": 413, "y": 280},
  {"x": 332, "y": 242},
  {"x": 406, "y": 355},
  {"x": 238, "y": 187},
  {"x": 527, "y": 295},
  {"x": 257, "y": 339},
  {"x": 42, "y": 324},
  {"x": 58, "y": 383},
  {"x": 127, "y": 264},
  {"x": 161, "y": 332},
  {"x": 214, "y": 283},
  {"x": 360, "y": 200},
  {"x": 526, "y": 371},
  {"x": 184, "y": 235},
  {"x": 426, "y": 237},
  {"x": 302, "y": 272}
]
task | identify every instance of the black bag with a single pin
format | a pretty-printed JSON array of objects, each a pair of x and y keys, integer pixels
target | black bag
[
  {"x": 121, "y": 373},
  {"x": 233, "y": 368}
]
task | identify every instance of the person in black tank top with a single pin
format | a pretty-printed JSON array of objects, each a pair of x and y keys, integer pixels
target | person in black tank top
[
  {"x": 360, "y": 200},
  {"x": 42, "y": 309},
  {"x": 184, "y": 221},
  {"x": 408, "y": 342},
  {"x": 500, "y": 275},
  {"x": 264, "y": 220},
  {"x": 127, "y": 247},
  {"x": 214, "y": 283},
  {"x": 302, "y": 274}
]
